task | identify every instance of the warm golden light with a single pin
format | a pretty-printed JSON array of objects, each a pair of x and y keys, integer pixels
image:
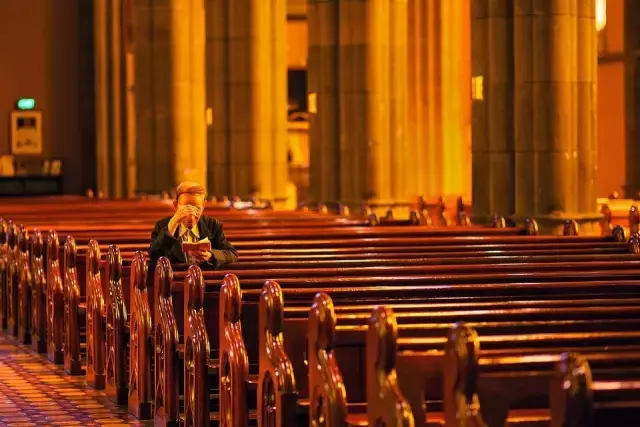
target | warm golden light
[
  {"x": 601, "y": 14},
  {"x": 477, "y": 88}
]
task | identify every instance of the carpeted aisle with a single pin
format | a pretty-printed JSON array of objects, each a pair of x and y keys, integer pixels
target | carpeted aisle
[{"x": 34, "y": 392}]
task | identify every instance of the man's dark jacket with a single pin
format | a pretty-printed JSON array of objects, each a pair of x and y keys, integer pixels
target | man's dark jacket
[{"x": 165, "y": 244}]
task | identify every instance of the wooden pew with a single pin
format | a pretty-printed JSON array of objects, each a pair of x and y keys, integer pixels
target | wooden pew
[
  {"x": 78, "y": 260},
  {"x": 322, "y": 335},
  {"x": 98, "y": 291},
  {"x": 81, "y": 282},
  {"x": 355, "y": 292},
  {"x": 275, "y": 337}
]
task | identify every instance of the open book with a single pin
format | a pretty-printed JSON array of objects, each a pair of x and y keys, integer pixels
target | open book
[{"x": 202, "y": 246}]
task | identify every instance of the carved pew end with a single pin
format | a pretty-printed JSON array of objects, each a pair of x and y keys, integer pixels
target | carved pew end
[
  {"x": 386, "y": 404},
  {"x": 571, "y": 394}
]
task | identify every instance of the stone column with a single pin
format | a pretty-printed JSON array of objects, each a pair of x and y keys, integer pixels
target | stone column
[
  {"x": 364, "y": 101},
  {"x": 187, "y": 49},
  {"x": 324, "y": 108},
  {"x": 545, "y": 110},
  {"x": 257, "y": 103},
  {"x": 101, "y": 63},
  {"x": 398, "y": 102},
  {"x": 432, "y": 96},
  {"x": 493, "y": 173},
  {"x": 415, "y": 131},
  {"x": 587, "y": 45},
  {"x": 455, "y": 84},
  {"x": 218, "y": 134}
]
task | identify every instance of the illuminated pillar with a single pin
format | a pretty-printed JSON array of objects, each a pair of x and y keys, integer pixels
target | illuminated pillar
[
  {"x": 398, "y": 88},
  {"x": 115, "y": 99},
  {"x": 187, "y": 50},
  {"x": 432, "y": 96},
  {"x": 587, "y": 45},
  {"x": 324, "y": 108},
  {"x": 101, "y": 63},
  {"x": 546, "y": 111},
  {"x": 415, "y": 130},
  {"x": 218, "y": 61},
  {"x": 493, "y": 174},
  {"x": 249, "y": 133},
  {"x": 442, "y": 60},
  {"x": 364, "y": 101},
  {"x": 455, "y": 81}
]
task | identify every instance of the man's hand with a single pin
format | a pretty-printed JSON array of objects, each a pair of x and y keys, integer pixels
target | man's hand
[
  {"x": 182, "y": 215},
  {"x": 202, "y": 256}
]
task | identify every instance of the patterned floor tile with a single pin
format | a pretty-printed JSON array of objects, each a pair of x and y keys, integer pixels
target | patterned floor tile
[{"x": 34, "y": 392}]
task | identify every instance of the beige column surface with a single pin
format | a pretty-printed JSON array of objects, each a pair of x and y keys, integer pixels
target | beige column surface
[
  {"x": 324, "y": 124},
  {"x": 256, "y": 98},
  {"x": 552, "y": 85},
  {"x": 217, "y": 60},
  {"x": 102, "y": 96},
  {"x": 415, "y": 130},
  {"x": 278, "y": 100},
  {"x": 493, "y": 172},
  {"x": 455, "y": 82},
  {"x": 187, "y": 90},
  {"x": 364, "y": 101},
  {"x": 587, "y": 143},
  {"x": 117, "y": 106},
  {"x": 432, "y": 26},
  {"x": 399, "y": 172}
]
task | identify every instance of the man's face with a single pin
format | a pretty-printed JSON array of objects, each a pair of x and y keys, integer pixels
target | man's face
[{"x": 191, "y": 200}]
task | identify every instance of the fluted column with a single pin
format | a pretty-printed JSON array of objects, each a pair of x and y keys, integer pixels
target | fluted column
[
  {"x": 442, "y": 61},
  {"x": 493, "y": 169},
  {"x": 415, "y": 130},
  {"x": 399, "y": 171},
  {"x": 364, "y": 101},
  {"x": 248, "y": 71},
  {"x": 432, "y": 96},
  {"x": 187, "y": 89},
  {"x": 546, "y": 132},
  {"x": 324, "y": 123},
  {"x": 217, "y": 67},
  {"x": 587, "y": 45},
  {"x": 538, "y": 64},
  {"x": 455, "y": 81}
]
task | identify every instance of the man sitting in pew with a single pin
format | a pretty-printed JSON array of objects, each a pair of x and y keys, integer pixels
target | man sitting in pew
[{"x": 208, "y": 246}]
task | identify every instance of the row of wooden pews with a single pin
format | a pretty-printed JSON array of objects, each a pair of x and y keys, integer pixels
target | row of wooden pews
[{"x": 175, "y": 345}]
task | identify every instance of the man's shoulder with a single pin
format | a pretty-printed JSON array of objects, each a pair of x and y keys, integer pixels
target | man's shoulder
[
  {"x": 210, "y": 221},
  {"x": 163, "y": 222}
]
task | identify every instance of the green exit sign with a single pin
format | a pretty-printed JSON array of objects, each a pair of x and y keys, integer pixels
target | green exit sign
[{"x": 26, "y": 104}]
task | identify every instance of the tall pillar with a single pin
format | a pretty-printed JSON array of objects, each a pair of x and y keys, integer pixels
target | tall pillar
[
  {"x": 188, "y": 91},
  {"x": 444, "y": 54},
  {"x": 101, "y": 63},
  {"x": 493, "y": 171},
  {"x": 415, "y": 130},
  {"x": 115, "y": 119},
  {"x": 545, "y": 112},
  {"x": 632, "y": 95},
  {"x": 398, "y": 102},
  {"x": 455, "y": 81},
  {"x": 538, "y": 62},
  {"x": 587, "y": 45},
  {"x": 364, "y": 101},
  {"x": 218, "y": 63},
  {"x": 324, "y": 108},
  {"x": 431, "y": 52},
  {"x": 248, "y": 65}
]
